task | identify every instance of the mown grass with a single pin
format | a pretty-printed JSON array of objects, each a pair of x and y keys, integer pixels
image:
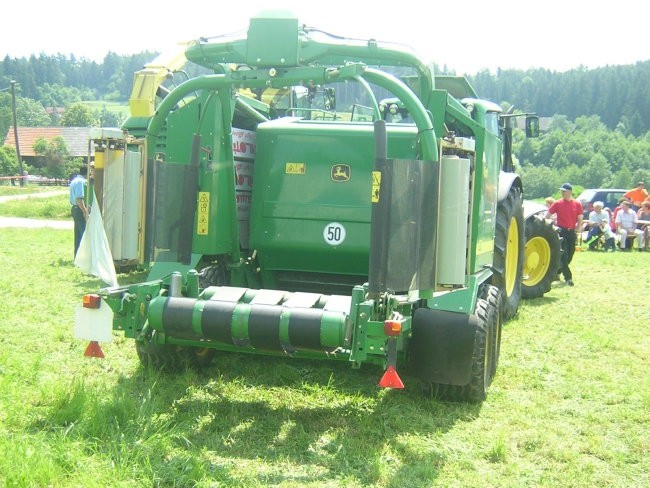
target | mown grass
[
  {"x": 55, "y": 207},
  {"x": 30, "y": 188},
  {"x": 569, "y": 407}
]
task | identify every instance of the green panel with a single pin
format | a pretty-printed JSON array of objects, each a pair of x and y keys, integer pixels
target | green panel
[
  {"x": 273, "y": 41},
  {"x": 297, "y": 198},
  {"x": 487, "y": 200}
]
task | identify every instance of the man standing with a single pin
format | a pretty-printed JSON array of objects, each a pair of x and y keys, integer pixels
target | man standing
[
  {"x": 637, "y": 195},
  {"x": 79, "y": 210},
  {"x": 569, "y": 221}
]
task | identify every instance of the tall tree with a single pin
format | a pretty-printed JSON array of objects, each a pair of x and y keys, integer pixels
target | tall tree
[{"x": 78, "y": 115}]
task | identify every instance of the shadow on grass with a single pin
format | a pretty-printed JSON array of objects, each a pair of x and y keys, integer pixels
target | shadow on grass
[
  {"x": 304, "y": 421},
  {"x": 541, "y": 301},
  {"x": 316, "y": 413}
]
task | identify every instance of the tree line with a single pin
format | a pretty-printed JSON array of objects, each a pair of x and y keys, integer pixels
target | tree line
[{"x": 598, "y": 136}]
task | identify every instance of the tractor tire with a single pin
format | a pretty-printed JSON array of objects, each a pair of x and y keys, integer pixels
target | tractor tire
[
  {"x": 541, "y": 257},
  {"x": 509, "y": 252},
  {"x": 492, "y": 295},
  {"x": 482, "y": 360},
  {"x": 172, "y": 358}
]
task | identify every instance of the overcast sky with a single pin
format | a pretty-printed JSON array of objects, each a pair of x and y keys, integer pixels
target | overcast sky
[{"x": 466, "y": 36}]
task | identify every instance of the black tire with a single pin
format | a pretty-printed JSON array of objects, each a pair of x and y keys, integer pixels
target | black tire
[
  {"x": 509, "y": 252},
  {"x": 215, "y": 274},
  {"x": 541, "y": 257},
  {"x": 173, "y": 358},
  {"x": 476, "y": 390},
  {"x": 492, "y": 295}
]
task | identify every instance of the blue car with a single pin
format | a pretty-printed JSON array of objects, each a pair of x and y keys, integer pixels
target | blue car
[{"x": 609, "y": 196}]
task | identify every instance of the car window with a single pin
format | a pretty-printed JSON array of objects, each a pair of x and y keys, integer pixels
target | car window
[
  {"x": 613, "y": 197},
  {"x": 586, "y": 195}
]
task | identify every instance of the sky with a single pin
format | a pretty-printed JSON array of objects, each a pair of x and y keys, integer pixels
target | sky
[{"x": 466, "y": 36}]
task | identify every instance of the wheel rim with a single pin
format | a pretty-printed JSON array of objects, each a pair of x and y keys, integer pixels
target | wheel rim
[
  {"x": 512, "y": 256},
  {"x": 537, "y": 257}
]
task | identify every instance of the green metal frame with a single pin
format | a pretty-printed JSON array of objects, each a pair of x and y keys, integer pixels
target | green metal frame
[{"x": 277, "y": 54}]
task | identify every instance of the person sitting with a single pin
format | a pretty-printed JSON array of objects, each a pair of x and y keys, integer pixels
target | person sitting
[
  {"x": 644, "y": 212},
  {"x": 643, "y": 220},
  {"x": 598, "y": 225},
  {"x": 626, "y": 226}
]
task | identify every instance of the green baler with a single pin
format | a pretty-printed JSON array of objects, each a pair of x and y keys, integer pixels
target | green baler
[{"x": 320, "y": 199}]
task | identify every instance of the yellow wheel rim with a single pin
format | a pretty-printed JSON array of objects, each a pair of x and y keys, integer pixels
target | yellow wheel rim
[
  {"x": 512, "y": 256},
  {"x": 537, "y": 256}
]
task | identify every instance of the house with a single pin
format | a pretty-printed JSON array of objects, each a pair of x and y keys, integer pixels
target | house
[{"x": 77, "y": 139}]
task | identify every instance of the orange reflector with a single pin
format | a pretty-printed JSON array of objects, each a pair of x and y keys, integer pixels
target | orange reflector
[
  {"x": 391, "y": 379},
  {"x": 91, "y": 300},
  {"x": 392, "y": 327},
  {"x": 93, "y": 350}
]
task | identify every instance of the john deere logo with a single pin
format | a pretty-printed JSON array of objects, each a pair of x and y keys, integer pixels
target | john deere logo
[{"x": 341, "y": 172}]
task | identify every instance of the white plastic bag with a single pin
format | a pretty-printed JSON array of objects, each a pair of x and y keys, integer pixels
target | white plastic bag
[{"x": 94, "y": 255}]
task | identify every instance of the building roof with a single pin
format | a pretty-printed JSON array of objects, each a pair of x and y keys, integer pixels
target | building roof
[{"x": 76, "y": 139}]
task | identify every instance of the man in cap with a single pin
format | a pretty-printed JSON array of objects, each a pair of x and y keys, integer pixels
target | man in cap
[
  {"x": 626, "y": 226},
  {"x": 637, "y": 195},
  {"x": 598, "y": 226},
  {"x": 569, "y": 221}
]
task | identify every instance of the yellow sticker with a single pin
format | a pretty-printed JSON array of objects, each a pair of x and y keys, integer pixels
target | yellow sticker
[
  {"x": 295, "y": 168},
  {"x": 376, "y": 184},
  {"x": 204, "y": 213}
]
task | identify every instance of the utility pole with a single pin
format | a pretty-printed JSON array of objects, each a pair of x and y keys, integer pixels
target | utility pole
[{"x": 13, "y": 106}]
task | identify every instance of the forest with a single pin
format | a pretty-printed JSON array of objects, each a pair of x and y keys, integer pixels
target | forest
[{"x": 598, "y": 135}]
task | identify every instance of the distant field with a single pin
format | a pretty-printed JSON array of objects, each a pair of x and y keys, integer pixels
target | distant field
[{"x": 122, "y": 109}]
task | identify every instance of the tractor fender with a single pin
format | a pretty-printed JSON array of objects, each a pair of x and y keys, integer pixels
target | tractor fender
[
  {"x": 533, "y": 208},
  {"x": 506, "y": 182}
]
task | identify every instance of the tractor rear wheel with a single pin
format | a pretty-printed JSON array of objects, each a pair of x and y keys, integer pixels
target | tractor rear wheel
[
  {"x": 541, "y": 257},
  {"x": 509, "y": 252}
]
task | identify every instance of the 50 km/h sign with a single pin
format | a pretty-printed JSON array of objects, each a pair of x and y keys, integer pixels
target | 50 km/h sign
[{"x": 334, "y": 233}]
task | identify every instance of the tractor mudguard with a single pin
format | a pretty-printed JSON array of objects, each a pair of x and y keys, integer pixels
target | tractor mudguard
[{"x": 442, "y": 346}]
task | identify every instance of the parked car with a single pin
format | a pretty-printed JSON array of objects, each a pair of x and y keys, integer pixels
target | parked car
[{"x": 609, "y": 197}]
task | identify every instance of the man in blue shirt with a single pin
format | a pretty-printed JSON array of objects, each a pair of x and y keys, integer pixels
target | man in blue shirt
[{"x": 79, "y": 210}]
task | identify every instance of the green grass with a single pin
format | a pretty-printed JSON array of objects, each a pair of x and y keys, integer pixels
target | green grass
[
  {"x": 569, "y": 407},
  {"x": 8, "y": 190},
  {"x": 56, "y": 207},
  {"x": 119, "y": 108}
]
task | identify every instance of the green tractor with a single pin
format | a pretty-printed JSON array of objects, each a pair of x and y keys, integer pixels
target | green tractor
[{"x": 313, "y": 198}]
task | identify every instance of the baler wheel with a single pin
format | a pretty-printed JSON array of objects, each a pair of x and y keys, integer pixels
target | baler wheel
[
  {"x": 216, "y": 274},
  {"x": 492, "y": 295},
  {"x": 172, "y": 358},
  {"x": 482, "y": 360}
]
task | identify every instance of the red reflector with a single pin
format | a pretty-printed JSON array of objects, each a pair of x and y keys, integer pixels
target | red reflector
[
  {"x": 93, "y": 350},
  {"x": 91, "y": 301},
  {"x": 392, "y": 327},
  {"x": 391, "y": 379}
]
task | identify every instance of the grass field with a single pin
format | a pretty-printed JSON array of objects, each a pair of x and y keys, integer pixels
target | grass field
[
  {"x": 569, "y": 407},
  {"x": 35, "y": 207}
]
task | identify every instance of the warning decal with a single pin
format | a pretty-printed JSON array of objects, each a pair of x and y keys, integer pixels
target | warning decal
[
  {"x": 204, "y": 213},
  {"x": 295, "y": 168},
  {"x": 376, "y": 184}
]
